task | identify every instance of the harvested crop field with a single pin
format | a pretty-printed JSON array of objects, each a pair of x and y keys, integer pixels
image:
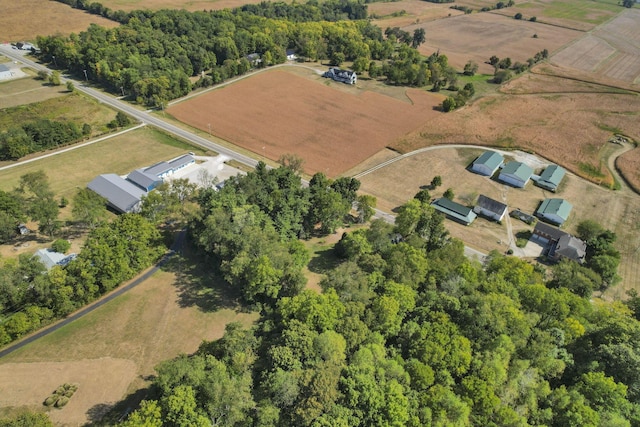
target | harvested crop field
[
  {"x": 481, "y": 35},
  {"x": 612, "y": 50},
  {"x": 277, "y": 112},
  {"x": 570, "y": 129},
  {"x": 408, "y": 12},
  {"x": 26, "y": 19},
  {"x": 629, "y": 166},
  {"x": 190, "y": 5}
]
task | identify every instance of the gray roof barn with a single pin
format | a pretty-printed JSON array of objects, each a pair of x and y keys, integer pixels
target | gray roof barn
[
  {"x": 122, "y": 195},
  {"x": 144, "y": 180},
  {"x": 160, "y": 169}
]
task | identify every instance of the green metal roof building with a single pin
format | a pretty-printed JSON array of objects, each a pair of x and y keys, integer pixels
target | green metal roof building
[
  {"x": 554, "y": 210},
  {"x": 454, "y": 211},
  {"x": 516, "y": 174},
  {"x": 551, "y": 177},
  {"x": 487, "y": 163}
]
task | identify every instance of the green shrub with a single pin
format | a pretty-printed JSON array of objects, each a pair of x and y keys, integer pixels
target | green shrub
[
  {"x": 62, "y": 401},
  {"x": 51, "y": 400}
]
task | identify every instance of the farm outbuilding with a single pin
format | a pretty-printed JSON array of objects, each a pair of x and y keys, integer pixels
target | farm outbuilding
[
  {"x": 144, "y": 180},
  {"x": 344, "y": 76},
  {"x": 454, "y": 211},
  {"x": 487, "y": 163},
  {"x": 122, "y": 195},
  {"x": 554, "y": 210},
  {"x": 52, "y": 258},
  {"x": 516, "y": 174},
  {"x": 490, "y": 208},
  {"x": 5, "y": 72},
  {"x": 551, "y": 177}
]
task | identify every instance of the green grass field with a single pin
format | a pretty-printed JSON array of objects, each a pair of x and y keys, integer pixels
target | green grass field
[{"x": 590, "y": 11}]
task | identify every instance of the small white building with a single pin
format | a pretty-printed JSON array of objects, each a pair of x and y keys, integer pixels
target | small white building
[
  {"x": 344, "y": 76},
  {"x": 516, "y": 174},
  {"x": 488, "y": 163}
]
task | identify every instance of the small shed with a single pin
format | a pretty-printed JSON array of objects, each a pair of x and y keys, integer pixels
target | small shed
[
  {"x": 51, "y": 258},
  {"x": 487, "y": 163},
  {"x": 554, "y": 210},
  {"x": 490, "y": 208},
  {"x": 23, "y": 229},
  {"x": 516, "y": 174},
  {"x": 454, "y": 211},
  {"x": 551, "y": 177}
]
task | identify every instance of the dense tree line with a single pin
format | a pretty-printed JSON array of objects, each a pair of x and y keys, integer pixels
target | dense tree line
[
  {"x": 114, "y": 252},
  {"x": 39, "y": 135},
  {"x": 407, "y": 332}
]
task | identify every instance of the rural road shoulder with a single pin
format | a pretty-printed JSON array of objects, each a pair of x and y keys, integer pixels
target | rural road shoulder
[{"x": 175, "y": 248}]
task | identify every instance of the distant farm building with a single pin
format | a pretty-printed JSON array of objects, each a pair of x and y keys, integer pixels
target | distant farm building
[
  {"x": 487, "y": 163},
  {"x": 52, "y": 258},
  {"x": 516, "y": 174},
  {"x": 454, "y": 211},
  {"x": 344, "y": 76},
  {"x": 554, "y": 210},
  {"x": 551, "y": 178},
  {"x": 5, "y": 72},
  {"x": 23, "y": 229},
  {"x": 490, "y": 208},
  {"x": 560, "y": 244},
  {"x": 291, "y": 54},
  {"x": 25, "y": 46}
]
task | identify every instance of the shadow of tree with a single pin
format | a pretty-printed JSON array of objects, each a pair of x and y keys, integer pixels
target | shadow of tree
[
  {"x": 323, "y": 261},
  {"x": 200, "y": 284},
  {"x": 109, "y": 415}
]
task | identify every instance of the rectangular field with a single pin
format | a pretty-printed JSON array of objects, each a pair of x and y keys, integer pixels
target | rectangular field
[
  {"x": 277, "y": 112},
  {"x": 580, "y": 15},
  {"x": 611, "y": 51},
  {"x": 26, "y": 91},
  {"x": 481, "y": 35},
  {"x": 24, "y": 20}
]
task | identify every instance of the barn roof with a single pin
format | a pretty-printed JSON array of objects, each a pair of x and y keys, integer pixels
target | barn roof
[
  {"x": 4, "y": 68},
  {"x": 553, "y": 175},
  {"x": 120, "y": 193},
  {"x": 454, "y": 209},
  {"x": 143, "y": 179},
  {"x": 491, "y": 205},
  {"x": 559, "y": 207},
  {"x": 547, "y": 230},
  {"x": 490, "y": 159},
  {"x": 571, "y": 247},
  {"x": 517, "y": 169}
]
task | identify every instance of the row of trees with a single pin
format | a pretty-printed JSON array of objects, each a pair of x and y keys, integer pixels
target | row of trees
[
  {"x": 408, "y": 332},
  {"x": 39, "y": 135}
]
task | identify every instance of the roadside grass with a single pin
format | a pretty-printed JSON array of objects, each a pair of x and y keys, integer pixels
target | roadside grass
[
  {"x": 121, "y": 154},
  {"x": 26, "y": 91}
]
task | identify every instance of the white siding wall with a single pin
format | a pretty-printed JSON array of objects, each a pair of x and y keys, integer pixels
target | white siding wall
[{"x": 510, "y": 179}]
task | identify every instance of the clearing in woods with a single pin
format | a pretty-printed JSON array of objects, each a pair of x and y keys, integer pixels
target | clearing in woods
[
  {"x": 24, "y": 20},
  {"x": 398, "y": 182},
  {"x": 111, "y": 353},
  {"x": 332, "y": 126}
]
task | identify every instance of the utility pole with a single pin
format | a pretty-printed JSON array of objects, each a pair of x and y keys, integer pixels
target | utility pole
[
  {"x": 209, "y": 129},
  {"x": 85, "y": 75},
  {"x": 54, "y": 61}
]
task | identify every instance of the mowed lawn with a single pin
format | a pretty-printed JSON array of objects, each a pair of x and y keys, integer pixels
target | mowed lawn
[
  {"x": 76, "y": 168},
  {"x": 111, "y": 353},
  {"x": 26, "y": 91}
]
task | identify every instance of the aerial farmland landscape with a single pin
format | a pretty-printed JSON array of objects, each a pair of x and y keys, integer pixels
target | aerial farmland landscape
[{"x": 322, "y": 213}]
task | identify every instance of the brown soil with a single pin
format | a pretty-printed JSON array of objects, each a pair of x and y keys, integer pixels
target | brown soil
[
  {"x": 570, "y": 129},
  {"x": 629, "y": 166},
  {"x": 26, "y": 19},
  {"x": 479, "y": 36},
  {"x": 332, "y": 126},
  {"x": 190, "y": 5}
]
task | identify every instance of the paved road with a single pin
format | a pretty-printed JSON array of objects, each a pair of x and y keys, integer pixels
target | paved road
[{"x": 175, "y": 248}]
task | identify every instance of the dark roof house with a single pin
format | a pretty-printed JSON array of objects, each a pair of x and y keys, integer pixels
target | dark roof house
[
  {"x": 551, "y": 177},
  {"x": 454, "y": 211},
  {"x": 516, "y": 174},
  {"x": 490, "y": 208},
  {"x": 487, "y": 163},
  {"x": 570, "y": 247}
]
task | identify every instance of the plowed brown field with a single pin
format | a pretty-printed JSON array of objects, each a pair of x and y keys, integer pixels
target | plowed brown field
[
  {"x": 26, "y": 19},
  {"x": 277, "y": 112}
]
